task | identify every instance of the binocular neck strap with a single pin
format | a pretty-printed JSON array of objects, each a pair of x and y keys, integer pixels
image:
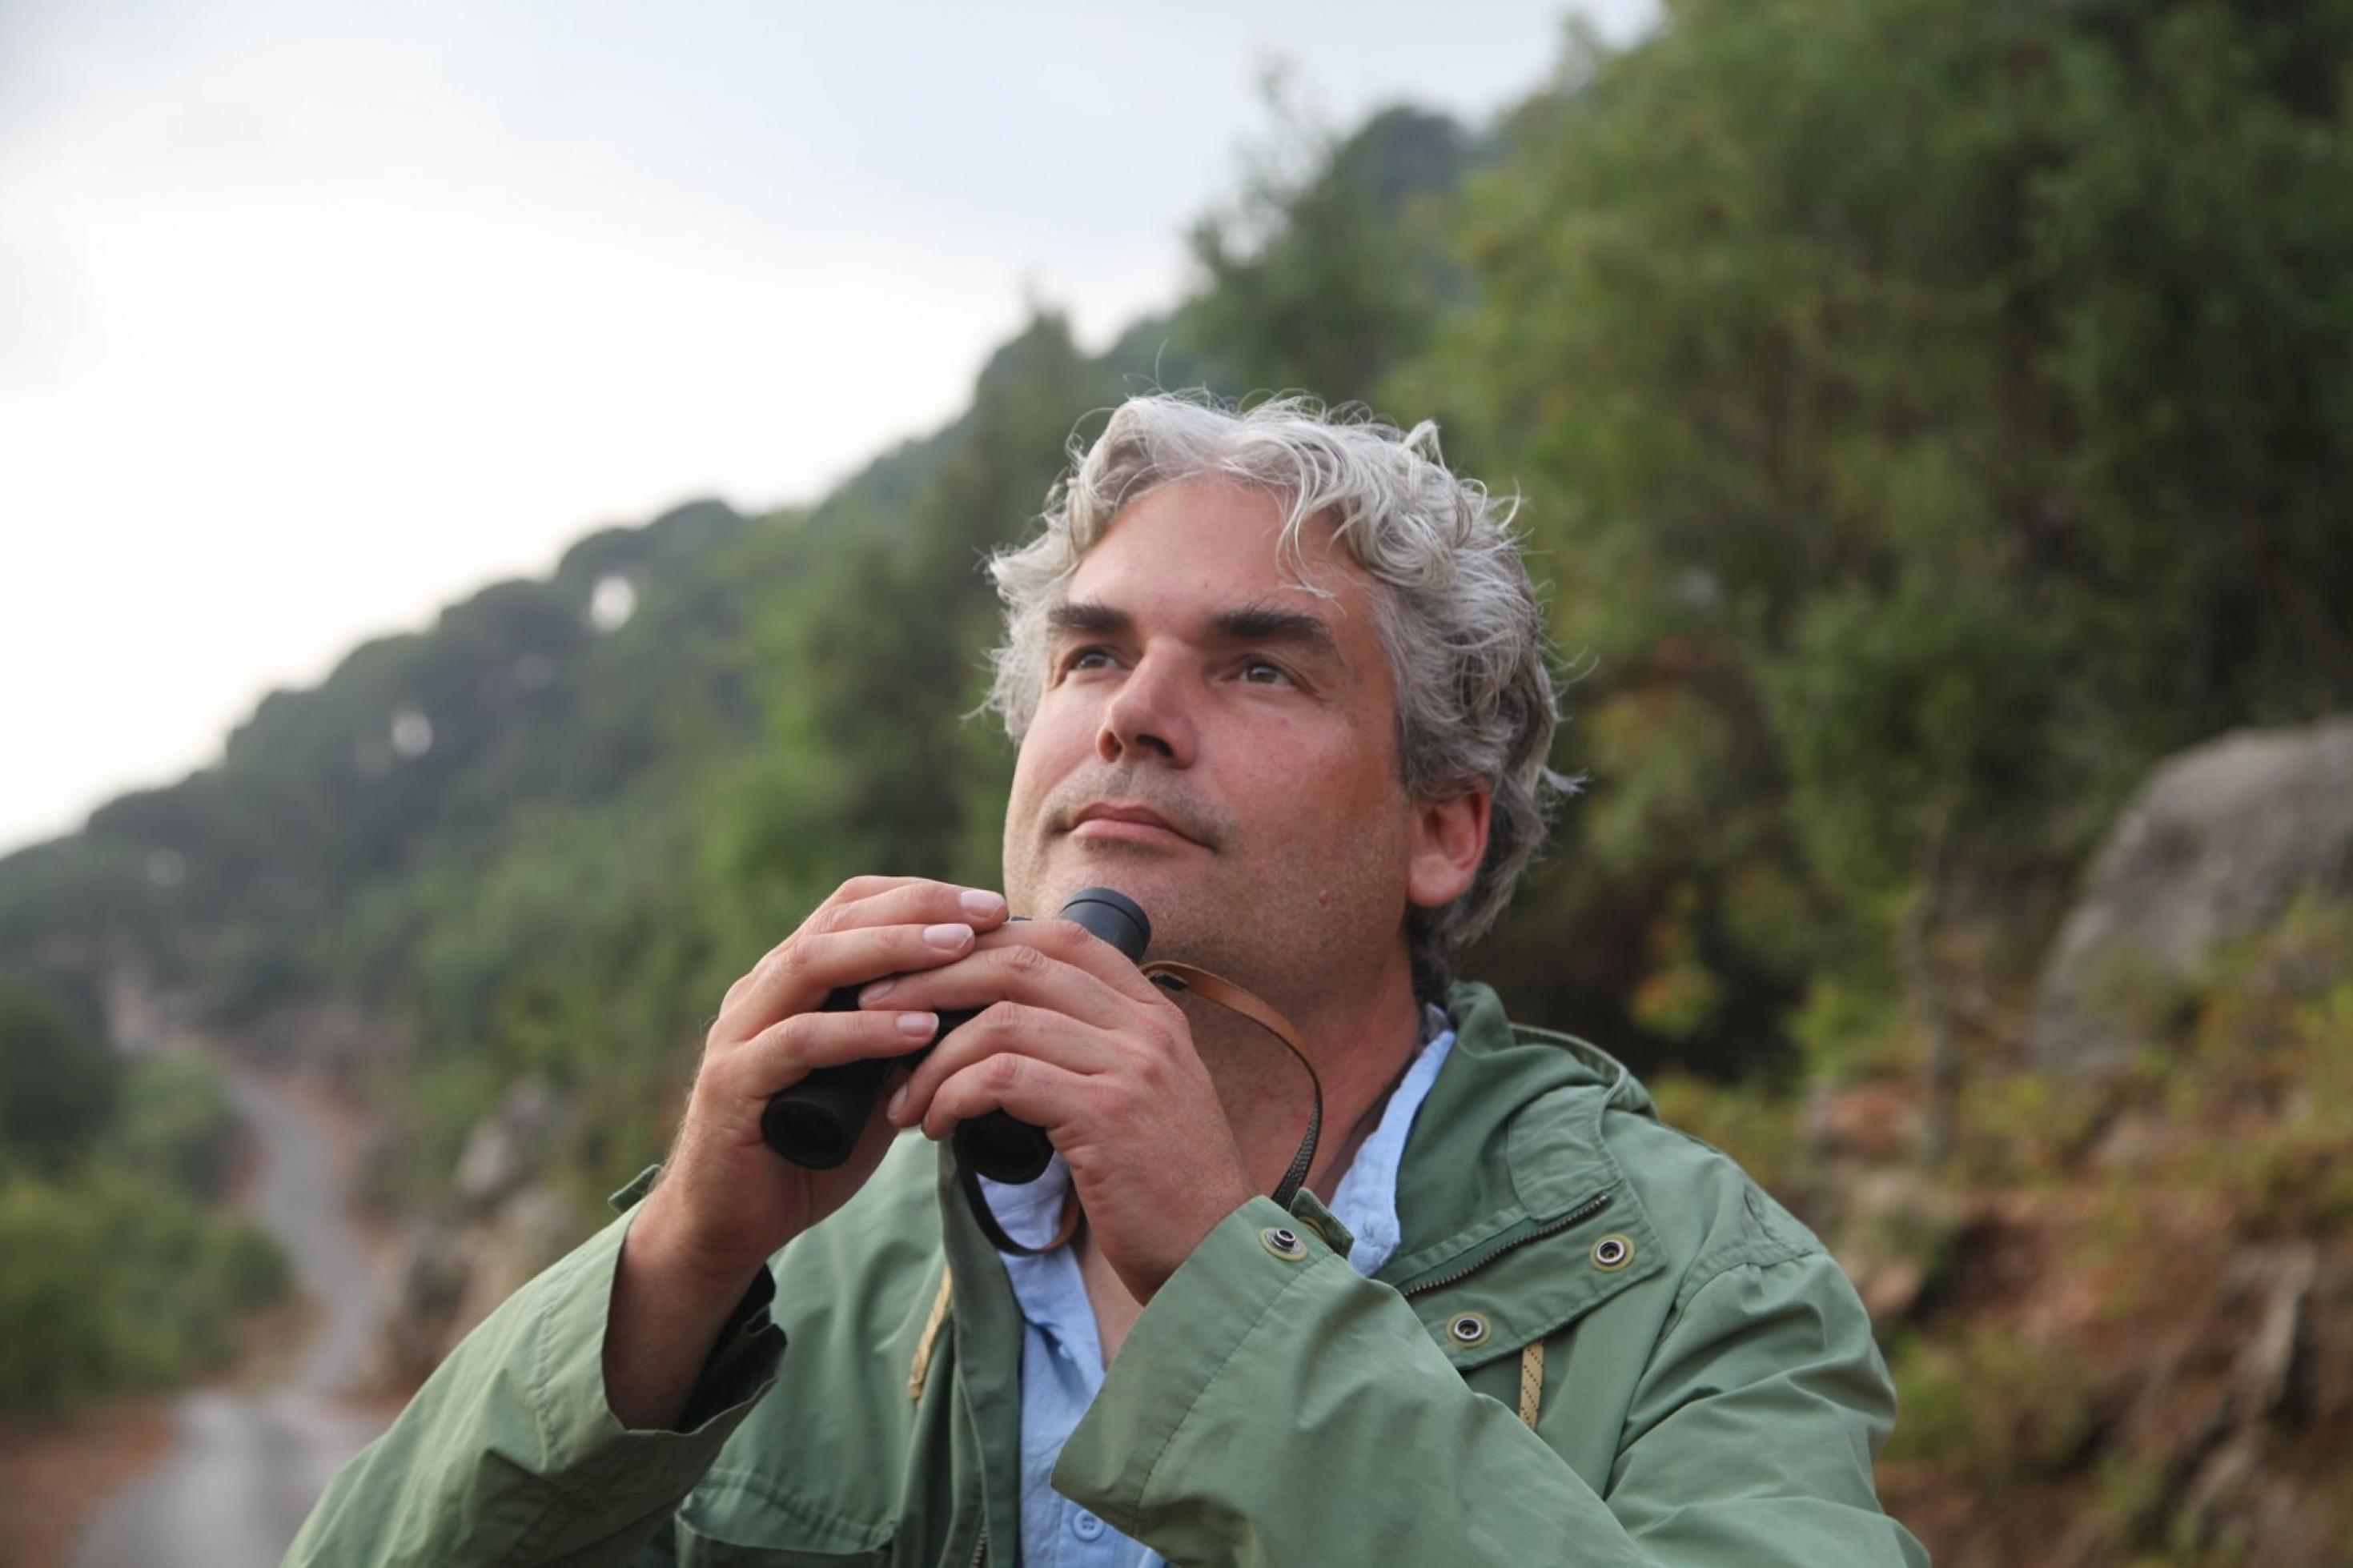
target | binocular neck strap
[{"x": 1179, "y": 977}]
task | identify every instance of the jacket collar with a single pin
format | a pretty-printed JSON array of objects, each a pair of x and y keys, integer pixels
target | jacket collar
[{"x": 1508, "y": 1185}]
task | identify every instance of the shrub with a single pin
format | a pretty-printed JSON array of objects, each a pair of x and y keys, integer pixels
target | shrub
[{"x": 117, "y": 1283}]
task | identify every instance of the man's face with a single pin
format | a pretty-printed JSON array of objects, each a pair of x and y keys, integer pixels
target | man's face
[{"x": 1188, "y": 677}]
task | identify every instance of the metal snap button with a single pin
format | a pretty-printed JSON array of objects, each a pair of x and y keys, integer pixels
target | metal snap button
[
  {"x": 1612, "y": 1253},
  {"x": 1468, "y": 1328},
  {"x": 1283, "y": 1242}
]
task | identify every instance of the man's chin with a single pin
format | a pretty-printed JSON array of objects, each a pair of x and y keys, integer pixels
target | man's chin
[{"x": 1159, "y": 877}]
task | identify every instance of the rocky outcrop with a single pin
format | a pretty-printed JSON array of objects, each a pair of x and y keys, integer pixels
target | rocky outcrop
[
  {"x": 507, "y": 1147},
  {"x": 506, "y": 1224},
  {"x": 2219, "y": 841},
  {"x": 327, "y": 1034},
  {"x": 2221, "y": 1406}
]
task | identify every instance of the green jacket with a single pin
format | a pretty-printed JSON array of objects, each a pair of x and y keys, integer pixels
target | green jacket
[{"x": 1708, "y": 1391}]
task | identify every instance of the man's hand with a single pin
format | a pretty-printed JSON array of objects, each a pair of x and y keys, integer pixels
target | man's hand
[
  {"x": 1073, "y": 1040},
  {"x": 725, "y": 1200},
  {"x": 728, "y": 1200}
]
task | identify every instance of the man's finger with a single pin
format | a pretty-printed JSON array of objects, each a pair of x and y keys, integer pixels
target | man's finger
[
  {"x": 1006, "y": 1027},
  {"x": 814, "y": 964},
  {"x": 751, "y": 1003},
  {"x": 855, "y": 888},
  {"x": 1007, "y": 969},
  {"x": 1034, "y": 1091},
  {"x": 1075, "y": 946},
  {"x": 786, "y": 1052},
  {"x": 914, "y": 902}
]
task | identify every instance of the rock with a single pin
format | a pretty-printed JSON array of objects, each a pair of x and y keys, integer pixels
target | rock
[
  {"x": 2136, "y": 1142},
  {"x": 532, "y": 1229},
  {"x": 1876, "y": 1121},
  {"x": 329, "y": 1033},
  {"x": 427, "y": 1280},
  {"x": 450, "y": 1274},
  {"x": 1896, "y": 1235},
  {"x": 2267, "y": 1289},
  {"x": 2237, "y": 1510},
  {"x": 2231, "y": 1380},
  {"x": 2323, "y": 1389},
  {"x": 505, "y": 1148},
  {"x": 501, "y": 1226},
  {"x": 2213, "y": 1506},
  {"x": 2218, "y": 842}
]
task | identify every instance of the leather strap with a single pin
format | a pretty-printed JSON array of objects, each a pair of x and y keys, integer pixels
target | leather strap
[
  {"x": 1177, "y": 977},
  {"x": 977, "y": 1200},
  {"x": 1173, "y": 976}
]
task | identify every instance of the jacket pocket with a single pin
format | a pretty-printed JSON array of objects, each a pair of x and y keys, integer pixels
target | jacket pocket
[
  {"x": 737, "y": 1519},
  {"x": 699, "y": 1550}
]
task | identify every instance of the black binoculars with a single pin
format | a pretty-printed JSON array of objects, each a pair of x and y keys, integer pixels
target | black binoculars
[{"x": 816, "y": 1123}]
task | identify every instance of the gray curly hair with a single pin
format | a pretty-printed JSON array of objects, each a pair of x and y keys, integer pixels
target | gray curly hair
[{"x": 1454, "y": 609}]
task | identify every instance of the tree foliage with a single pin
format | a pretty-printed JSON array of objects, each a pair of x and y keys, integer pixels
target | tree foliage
[
  {"x": 58, "y": 1082},
  {"x": 118, "y": 1274},
  {"x": 1929, "y": 414},
  {"x": 1932, "y": 411}
]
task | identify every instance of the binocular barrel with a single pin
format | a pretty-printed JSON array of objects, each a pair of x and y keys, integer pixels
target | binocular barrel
[{"x": 817, "y": 1122}]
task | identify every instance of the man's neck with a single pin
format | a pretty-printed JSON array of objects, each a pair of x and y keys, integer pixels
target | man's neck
[
  {"x": 1360, "y": 1041},
  {"x": 1360, "y": 1044}
]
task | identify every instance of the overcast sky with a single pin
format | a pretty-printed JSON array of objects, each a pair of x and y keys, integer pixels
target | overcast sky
[{"x": 316, "y": 317}]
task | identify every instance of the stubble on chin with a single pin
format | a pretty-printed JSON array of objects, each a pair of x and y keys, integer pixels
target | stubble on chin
[
  {"x": 1172, "y": 883},
  {"x": 1043, "y": 864}
]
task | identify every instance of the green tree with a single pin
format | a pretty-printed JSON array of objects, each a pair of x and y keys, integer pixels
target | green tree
[
  {"x": 1332, "y": 267},
  {"x": 1932, "y": 412},
  {"x": 58, "y": 1082}
]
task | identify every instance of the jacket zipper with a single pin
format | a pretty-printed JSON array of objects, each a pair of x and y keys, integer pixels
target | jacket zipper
[
  {"x": 1577, "y": 1216},
  {"x": 980, "y": 1547}
]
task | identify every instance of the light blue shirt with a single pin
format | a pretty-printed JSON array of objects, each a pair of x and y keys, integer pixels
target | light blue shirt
[{"x": 1062, "y": 1354}]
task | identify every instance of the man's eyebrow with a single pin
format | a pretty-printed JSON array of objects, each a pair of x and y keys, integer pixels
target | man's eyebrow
[
  {"x": 1258, "y": 623},
  {"x": 1085, "y": 617},
  {"x": 1272, "y": 623}
]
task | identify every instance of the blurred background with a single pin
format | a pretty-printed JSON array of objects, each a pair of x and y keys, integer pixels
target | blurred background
[{"x": 494, "y": 496}]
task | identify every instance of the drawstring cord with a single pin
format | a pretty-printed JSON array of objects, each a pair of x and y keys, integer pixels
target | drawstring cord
[{"x": 931, "y": 1336}]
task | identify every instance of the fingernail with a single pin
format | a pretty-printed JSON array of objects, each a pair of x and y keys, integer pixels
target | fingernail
[
  {"x": 980, "y": 903},
  {"x": 948, "y": 936},
  {"x": 898, "y": 1103},
  {"x": 918, "y": 1024},
  {"x": 876, "y": 992}
]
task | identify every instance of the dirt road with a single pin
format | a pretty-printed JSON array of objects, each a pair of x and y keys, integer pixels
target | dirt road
[{"x": 246, "y": 1465}]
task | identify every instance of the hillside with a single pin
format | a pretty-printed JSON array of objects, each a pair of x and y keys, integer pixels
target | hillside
[{"x": 1929, "y": 418}]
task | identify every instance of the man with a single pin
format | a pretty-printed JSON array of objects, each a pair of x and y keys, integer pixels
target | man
[{"x": 1280, "y": 678}]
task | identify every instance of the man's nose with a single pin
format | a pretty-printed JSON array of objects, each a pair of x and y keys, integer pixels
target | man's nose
[{"x": 1150, "y": 715}]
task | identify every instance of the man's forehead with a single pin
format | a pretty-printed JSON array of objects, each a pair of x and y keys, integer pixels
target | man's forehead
[{"x": 1210, "y": 539}]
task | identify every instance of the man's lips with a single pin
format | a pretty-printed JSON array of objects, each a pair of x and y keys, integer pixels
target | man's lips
[{"x": 1135, "y": 823}]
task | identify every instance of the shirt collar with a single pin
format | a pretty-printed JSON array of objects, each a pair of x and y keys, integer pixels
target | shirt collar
[{"x": 1365, "y": 1201}]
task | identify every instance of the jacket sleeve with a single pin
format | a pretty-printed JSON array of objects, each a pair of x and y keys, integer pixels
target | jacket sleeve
[
  {"x": 509, "y": 1454},
  {"x": 1269, "y": 1412}
]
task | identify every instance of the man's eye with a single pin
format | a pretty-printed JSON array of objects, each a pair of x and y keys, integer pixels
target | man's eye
[
  {"x": 1087, "y": 659},
  {"x": 1259, "y": 672}
]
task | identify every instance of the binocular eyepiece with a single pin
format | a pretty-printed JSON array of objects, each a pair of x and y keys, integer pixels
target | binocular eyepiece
[{"x": 817, "y": 1122}]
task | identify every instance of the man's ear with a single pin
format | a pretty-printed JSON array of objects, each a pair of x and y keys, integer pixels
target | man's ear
[{"x": 1446, "y": 840}]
